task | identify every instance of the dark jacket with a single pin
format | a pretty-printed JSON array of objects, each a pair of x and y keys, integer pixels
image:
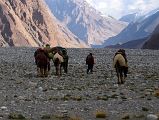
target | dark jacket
[{"x": 90, "y": 60}]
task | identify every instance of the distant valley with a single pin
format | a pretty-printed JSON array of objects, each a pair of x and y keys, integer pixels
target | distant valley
[{"x": 137, "y": 33}]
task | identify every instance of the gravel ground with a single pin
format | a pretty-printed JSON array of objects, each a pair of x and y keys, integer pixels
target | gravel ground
[{"x": 78, "y": 95}]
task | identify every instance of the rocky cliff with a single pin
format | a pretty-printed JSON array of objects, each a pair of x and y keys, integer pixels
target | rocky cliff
[
  {"x": 152, "y": 42},
  {"x": 30, "y": 23},
  {"x": 84, "y": 21},
  {"x": 136, "y": 30}
]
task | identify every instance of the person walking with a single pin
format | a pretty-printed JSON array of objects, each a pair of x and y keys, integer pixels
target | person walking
[
  {"x": 90, "y": 63},
  {"x": 65, "y": 60}
]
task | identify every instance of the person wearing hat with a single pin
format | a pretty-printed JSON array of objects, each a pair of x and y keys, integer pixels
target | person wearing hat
[
  {"x": 65, "y": 60},
  {"x": 90, "y": 63},
  {"x": 50, "y": 55}
]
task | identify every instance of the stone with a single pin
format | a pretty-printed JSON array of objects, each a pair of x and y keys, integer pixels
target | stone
[
  {"x": 3, "y": 108},
  {"x": 145, "y": 109},
  {"x": 16, "y": 116},
  {"x": 125, "y": 117},
  {"x": 151, "y": 117},
  {"x": 156, "y": 93}
]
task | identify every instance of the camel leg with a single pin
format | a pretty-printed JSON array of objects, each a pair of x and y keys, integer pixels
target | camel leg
[
  {"x": 45, "y": 72},
  {"x": 60, "y": 69},
  {"x": 118, "y": 75},
  {"x": 121, "y": 78},
  {"x": 38, "y": 71},
  {"x": 56, "y": 70},
  {"x": 48, "y": 67},
  {"x": 41, "y": 72}
]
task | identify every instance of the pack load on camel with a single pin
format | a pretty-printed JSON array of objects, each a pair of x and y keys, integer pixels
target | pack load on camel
[
  {"x": 60, "y": 59},
  {"x": 120, "y": 63},
  {"x": 65, "y": 58},
  {"x": 43, "y": 56}
]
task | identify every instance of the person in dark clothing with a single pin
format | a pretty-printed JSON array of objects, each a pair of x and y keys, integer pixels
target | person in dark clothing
[
  {"x": 57, "y": 65},
  {"x": 65, "y": 61},
  {"x": 47, "y": 49},
  {"x": 90, "y": 63}
]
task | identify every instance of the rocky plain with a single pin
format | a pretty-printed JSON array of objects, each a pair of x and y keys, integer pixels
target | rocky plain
[{"x": 77, "y": 95}]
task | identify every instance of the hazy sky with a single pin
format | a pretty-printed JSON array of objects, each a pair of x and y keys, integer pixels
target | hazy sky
[{"x": 118, "y": 8}]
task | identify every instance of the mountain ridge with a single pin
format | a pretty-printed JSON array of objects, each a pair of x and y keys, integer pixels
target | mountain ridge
[
  {"x": 30, "y": 23},
  {"x": 84, "y": 21},
  {"x": 152, "y": 42},
  {"x": 135, "y": 30}
]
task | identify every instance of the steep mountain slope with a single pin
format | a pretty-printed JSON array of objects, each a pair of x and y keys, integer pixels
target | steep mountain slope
[
  {"x": 84, "y": 21},
  {"x": 135, "y": 44},
  {"x": 3, "y": 43},
  {"x": 153, "y": 41},
  {"x": 128, "y": 18},
  {"x": 30, "y": 23},
  {"x": 139, "y": 29}
]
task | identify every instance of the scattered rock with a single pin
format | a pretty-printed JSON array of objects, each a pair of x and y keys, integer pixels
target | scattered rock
[
  {"x": 156, "y": 93},
  {"x": 139, "y": 116},
  {"x": 46, "y": 117},
  {"x": 151, "y": 117},
  {"x": 80, "y": 96},
  {"x": 125, "y": 117},
  {"x": 16, "y": 116},
  {"x": 77, "y": 98},
  {"x": 105, "y": 98},
  {"x": 3, "y": 108},
  {"x": 145, "y": 109}
]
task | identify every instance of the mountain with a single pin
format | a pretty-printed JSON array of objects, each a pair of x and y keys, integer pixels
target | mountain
[
  {"x": 128, "y": 18},
  {"x": 84, "y": 21},
  {"x": 153, "y": 41},
  {"x": 139, "y": 29},
  {"x": 30, "y": 23},
  {"x": 138, "y": 16},
  {"x": 135, "y": 44}
]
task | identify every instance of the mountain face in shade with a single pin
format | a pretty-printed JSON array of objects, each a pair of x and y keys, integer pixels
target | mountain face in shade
[
  {"x": 30, "y": 23},
  {"x": 153, "y": 41},
  {"x": 128, "y": 18},
  {"x": 135, "y": 44},
  {"x": 84, "y": 21},
  {"x": 150, "y": 42},
  {"x": 137, "y": 30}
]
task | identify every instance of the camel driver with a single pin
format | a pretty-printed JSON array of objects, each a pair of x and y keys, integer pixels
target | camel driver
[{"x": 50, "y": 55}]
